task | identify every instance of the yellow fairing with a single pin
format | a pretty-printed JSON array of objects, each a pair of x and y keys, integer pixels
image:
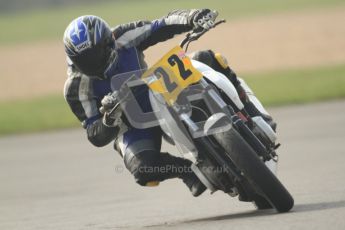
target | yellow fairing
[
  {"x": 221, "y": 60},
  {"x": 171, "y": 74}
]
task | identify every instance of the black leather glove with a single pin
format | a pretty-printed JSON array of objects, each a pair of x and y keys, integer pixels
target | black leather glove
[
  {"x": 204, "y": 19},
  {"x": 111, "y": 109}
]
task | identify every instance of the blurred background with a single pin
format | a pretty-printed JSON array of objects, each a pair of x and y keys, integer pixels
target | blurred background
[{"x": 290, "y": 51}]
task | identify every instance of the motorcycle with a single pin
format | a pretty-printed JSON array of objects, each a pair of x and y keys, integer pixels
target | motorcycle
[{"x": 231, "y": 152}]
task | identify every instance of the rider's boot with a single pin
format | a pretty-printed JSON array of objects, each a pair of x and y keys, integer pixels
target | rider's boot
[
  {"x": 181, "y": 168},
  {"x": 194, "y": 184}
]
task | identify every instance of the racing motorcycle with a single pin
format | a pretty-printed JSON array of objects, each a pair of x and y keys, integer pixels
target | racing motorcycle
[{"x": 200, "y": 113}]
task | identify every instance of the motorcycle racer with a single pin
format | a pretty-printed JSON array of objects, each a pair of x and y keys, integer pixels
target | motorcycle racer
[{"x": 95, "y": 52}]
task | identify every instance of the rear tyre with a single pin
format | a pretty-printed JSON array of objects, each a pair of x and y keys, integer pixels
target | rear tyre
[{"x": 262, "y": 180}]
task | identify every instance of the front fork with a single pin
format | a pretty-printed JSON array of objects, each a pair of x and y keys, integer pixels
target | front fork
[{"x": 205, "y": 143}]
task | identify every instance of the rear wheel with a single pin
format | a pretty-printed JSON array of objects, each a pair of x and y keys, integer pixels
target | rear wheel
[{"x": 259, "y": 177}]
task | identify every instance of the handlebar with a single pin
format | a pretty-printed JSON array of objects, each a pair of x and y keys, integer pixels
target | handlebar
[{"x": 193, "y": 36}]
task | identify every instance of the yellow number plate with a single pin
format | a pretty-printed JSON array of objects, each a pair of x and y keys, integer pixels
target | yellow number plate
[{"x": 171, "y": 74}]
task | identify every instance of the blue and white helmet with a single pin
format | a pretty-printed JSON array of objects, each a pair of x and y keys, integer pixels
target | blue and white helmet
[{"x": 90, "y": 45}]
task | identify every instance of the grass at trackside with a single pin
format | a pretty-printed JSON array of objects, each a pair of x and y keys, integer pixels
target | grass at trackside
[
  {"x": 275, "y": 88},
  {"x": 35, "y": 115},
  {"x": 299, "y": 86},
  {"x": 50, "y": 23}
]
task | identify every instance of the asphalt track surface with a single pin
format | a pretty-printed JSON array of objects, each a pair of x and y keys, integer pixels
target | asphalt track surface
[{"x": 59, "y": 181}]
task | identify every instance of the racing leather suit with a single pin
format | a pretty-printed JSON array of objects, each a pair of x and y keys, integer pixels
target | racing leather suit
[{"x": 138, "y": 147}]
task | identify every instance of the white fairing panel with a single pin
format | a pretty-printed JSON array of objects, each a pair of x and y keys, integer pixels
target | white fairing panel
[
  {"x": 170, "y": 126},
  {"x": 221, "y": 81},
  {"x": 272, "y": 165},
  {"x": 252, "y": 97}
]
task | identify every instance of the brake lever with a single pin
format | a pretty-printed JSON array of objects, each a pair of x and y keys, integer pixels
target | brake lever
[
  {"x": 219, "y": 22},
  {"x": 196, "y": 35},
  {"x": 193, "y": 36}
]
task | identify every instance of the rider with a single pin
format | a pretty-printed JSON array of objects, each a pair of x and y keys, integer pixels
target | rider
[{"x": 95, "y": 52}]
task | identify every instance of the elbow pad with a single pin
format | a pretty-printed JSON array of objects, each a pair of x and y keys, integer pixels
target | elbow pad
[{"x": 99, "y": 134}]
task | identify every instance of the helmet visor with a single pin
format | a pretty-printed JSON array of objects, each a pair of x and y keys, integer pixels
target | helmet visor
[{"x": 94, "y": 61}]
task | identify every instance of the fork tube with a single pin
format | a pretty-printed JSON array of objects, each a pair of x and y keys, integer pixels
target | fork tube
[{"x": 189, "y": 122}]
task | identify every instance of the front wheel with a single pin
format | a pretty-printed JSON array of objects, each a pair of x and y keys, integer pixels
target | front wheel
[
  {"x": 261, "y": 203},
  {"x": 259, "y": 177}
]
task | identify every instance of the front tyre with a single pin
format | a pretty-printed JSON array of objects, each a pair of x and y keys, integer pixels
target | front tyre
[
  {"x": 262, "y": 180},
  {"x": 261, "y": 203}
]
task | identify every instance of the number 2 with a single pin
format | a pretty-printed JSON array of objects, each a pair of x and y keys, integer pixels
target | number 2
[
  {"x": 174, "y": 59},
  {"x": 170, "y": 86}
]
